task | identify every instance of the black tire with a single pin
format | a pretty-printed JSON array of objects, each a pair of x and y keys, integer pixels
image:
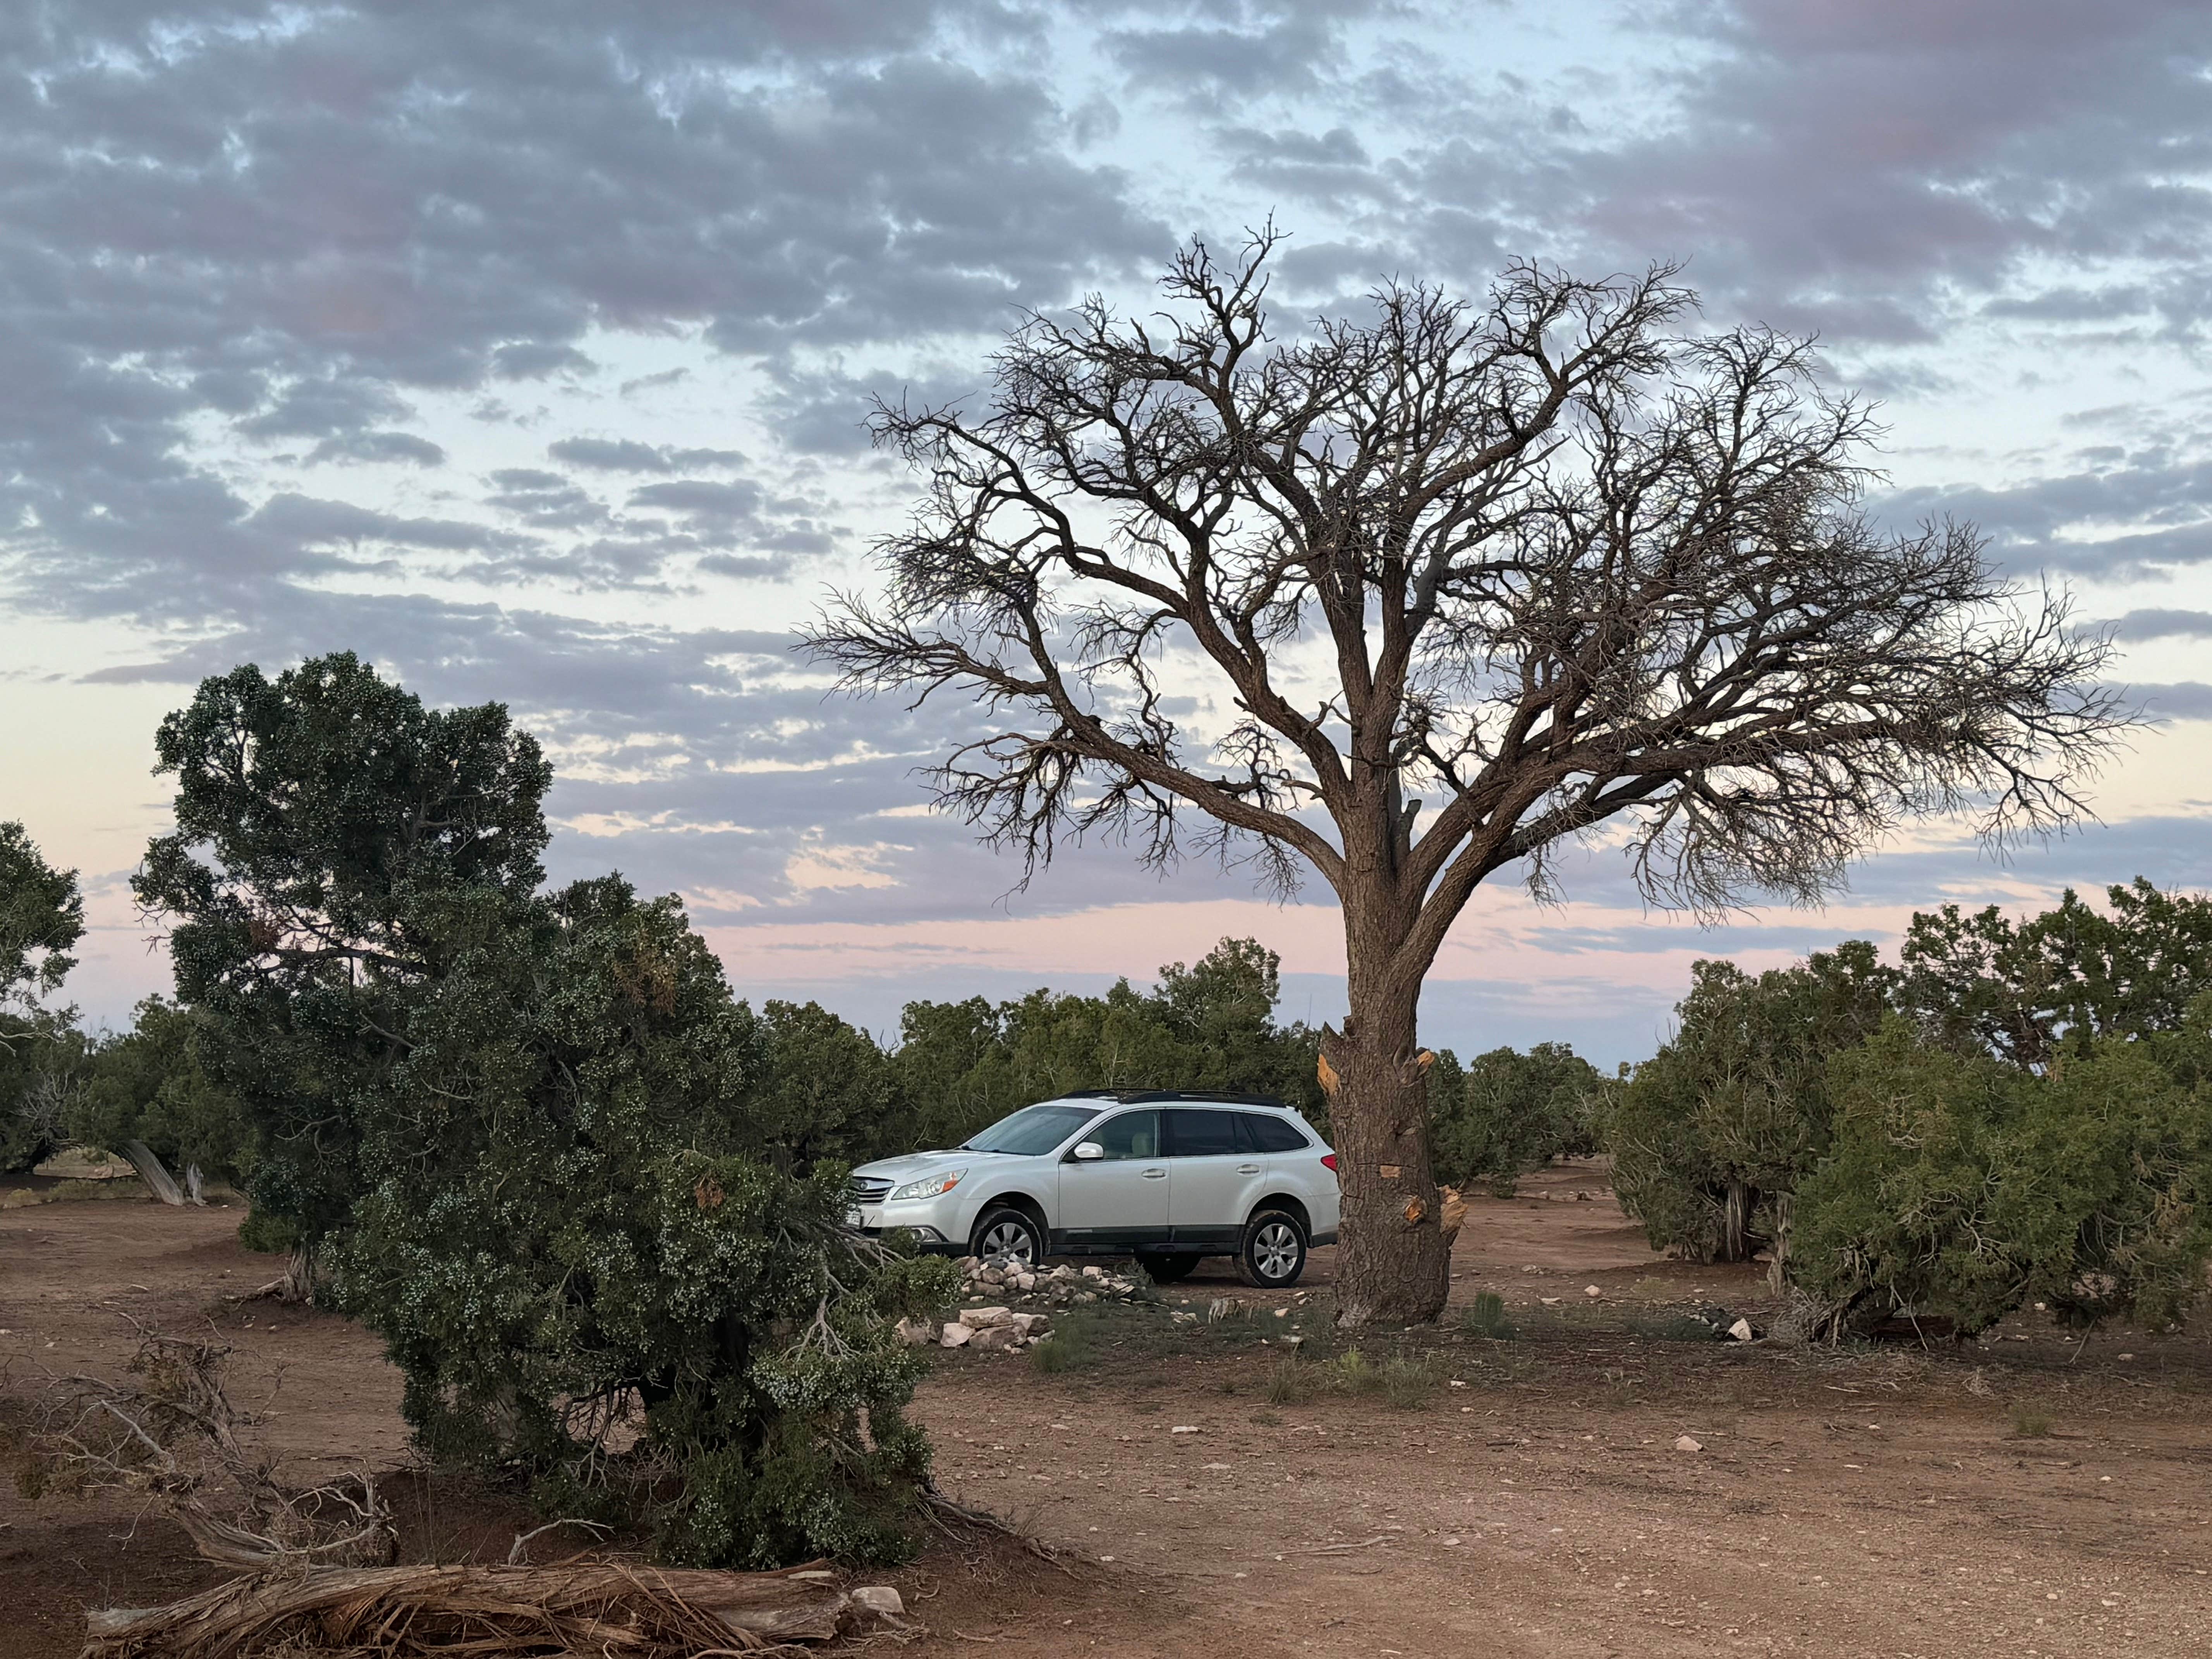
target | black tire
[
  {"x": 1004, "y": 1231},
  {"x": 1166, "y": 1269},
  {"x": 1273, "y": 1255}
]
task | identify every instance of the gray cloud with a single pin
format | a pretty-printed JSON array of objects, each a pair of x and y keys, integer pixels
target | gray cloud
[
  {"x": 628, "y": 455},
  {"x": 378, "y": 446},
  {"x": 2163, "y": 625},
  {"x": 2119, "y": 512},
  {"x": 299, "y": 222},
  {"x": 297, "y": 230}
]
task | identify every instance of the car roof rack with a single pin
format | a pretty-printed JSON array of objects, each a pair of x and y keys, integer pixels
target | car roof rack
[{"x": 1199, "y": 1096}]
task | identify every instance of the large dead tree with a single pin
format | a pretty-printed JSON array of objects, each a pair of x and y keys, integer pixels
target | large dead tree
[{"x": 1477, "y": 580}]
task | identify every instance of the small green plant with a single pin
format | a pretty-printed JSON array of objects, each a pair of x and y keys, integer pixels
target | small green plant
[
  {"x": 1068, "y": 1348},
  {"x": 2029, "y": 1424},
  {"x": 1485, "y": 1317},
  {"x": 1350, "y": 1372},
  {"x": 1406, "y": 1384},
  {"x": 1267, "y": 1419},
  {"x": 1291, "y": 1383}
]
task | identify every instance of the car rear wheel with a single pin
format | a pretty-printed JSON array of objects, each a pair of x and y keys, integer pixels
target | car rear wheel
[
  {"x": 1007, "y": 1232},
  {"x": 1167, "y": 1269},
  {"x": 1273, "y": 1254}
]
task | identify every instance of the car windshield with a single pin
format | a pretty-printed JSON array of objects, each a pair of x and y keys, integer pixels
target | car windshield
[{"x": 1032, "y": 1131}]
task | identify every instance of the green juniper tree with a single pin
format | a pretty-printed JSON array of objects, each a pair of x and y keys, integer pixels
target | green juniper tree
[
  {"x": 1713, "y": 1135},
  {"x": 1960, "y": 1187},
  {"x": 336, "y": 842},
  {"x": 579, "y": 1190},
  {"x": 1506, "y": 1113},
  {"x": 578, "y": 1218},
  {"x": 42, "y": 1054}
]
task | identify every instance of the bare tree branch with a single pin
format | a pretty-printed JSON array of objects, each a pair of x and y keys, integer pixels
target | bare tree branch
[{"x": 1467, "y": 582}]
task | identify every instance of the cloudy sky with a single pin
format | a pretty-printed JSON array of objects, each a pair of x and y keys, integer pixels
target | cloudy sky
[{"x": 524, "y": 347}]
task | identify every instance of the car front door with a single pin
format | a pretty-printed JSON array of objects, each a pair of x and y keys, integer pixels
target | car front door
[
  {"x": 1123, "y": 1198},
  {"x": 1216, "y": 1184}
]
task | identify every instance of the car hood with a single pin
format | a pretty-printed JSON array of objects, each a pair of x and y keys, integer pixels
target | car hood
[{"x": 915, "y": 1166}]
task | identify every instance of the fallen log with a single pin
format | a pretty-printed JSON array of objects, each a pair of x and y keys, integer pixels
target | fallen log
[{"x": 594, "y": 1610}]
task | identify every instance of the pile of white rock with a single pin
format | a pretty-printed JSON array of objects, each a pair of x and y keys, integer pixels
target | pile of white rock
[
  {"x": 987, "y": 1286},
  {"x": 1062, "y": 1286}
]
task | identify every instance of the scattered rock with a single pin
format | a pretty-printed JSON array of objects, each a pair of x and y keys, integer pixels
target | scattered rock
[
  {"x": 1186, "y": 1428},
  {"x": 1687, "y": 1444},
  {"x": 1741, "y": 1331},
  {"x": 881, "y": 1600},
  {"x": 1593, "y": 1290},
  {"x": 996, "y": 1336},
  {"x": 955, "y": 1336},
  {"x": 915, "y": 1333},
  {"x": 984, "y": 1318}
]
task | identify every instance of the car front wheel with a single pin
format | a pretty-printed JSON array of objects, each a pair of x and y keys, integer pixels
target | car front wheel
[
  {"x": 1275, "y": 1250},
  {"x": 1007, "y": 1232}
]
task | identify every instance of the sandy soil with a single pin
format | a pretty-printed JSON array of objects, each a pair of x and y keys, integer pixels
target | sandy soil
[{"x": 1533, "y": 1502}]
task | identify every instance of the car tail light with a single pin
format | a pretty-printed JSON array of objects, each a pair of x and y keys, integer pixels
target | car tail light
[{"x": 1329, "y": 1163}]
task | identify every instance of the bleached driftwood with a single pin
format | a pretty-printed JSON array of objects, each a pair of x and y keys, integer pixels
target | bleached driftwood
[{"x": 490, "y": 1613}]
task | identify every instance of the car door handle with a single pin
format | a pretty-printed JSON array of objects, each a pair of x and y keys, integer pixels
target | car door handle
[
  {"x": 1156, "y": 1175},
  {"x": 1247, "y": 1169}
]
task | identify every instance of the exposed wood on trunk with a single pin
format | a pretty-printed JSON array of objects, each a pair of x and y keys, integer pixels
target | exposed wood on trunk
[{"x": 150, "y": 1171}]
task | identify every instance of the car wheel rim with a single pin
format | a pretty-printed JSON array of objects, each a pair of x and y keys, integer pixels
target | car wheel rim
[
  {"x": 1007, "y": 1238},
  {"x": 1275, "y": 1251}
]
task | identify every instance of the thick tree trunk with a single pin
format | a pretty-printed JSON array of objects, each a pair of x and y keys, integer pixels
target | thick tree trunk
[
  {"x": 1393, "y": 1262},
  {"x": 1738, "y": 1204}
]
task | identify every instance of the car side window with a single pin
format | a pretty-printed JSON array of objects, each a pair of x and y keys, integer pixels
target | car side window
[
  {"x": 1132, "y": 1134},
  {"x": 1261, "y": 1133},
  {"x": 1199, "y": 1133}
]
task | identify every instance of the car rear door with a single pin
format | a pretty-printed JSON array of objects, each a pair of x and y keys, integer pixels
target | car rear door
[
  {"x": 1217, "y": 1180},
  {"x": 1123, "y": 1198},
  {"x": 1293, "y": 1158}
]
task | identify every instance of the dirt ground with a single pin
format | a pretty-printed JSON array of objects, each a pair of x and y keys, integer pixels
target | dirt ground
[{"x": 1532, "y": 1502}]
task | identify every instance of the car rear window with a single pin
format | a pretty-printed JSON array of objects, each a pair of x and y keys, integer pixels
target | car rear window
[
  {"x": 1263, "y": 1134},
  {"x": 1200, "y": 1134}
]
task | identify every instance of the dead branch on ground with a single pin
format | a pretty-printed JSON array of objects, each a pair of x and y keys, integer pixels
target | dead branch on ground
[
  {"x": 494, "y": 1613},
  {"x": 168, "y": 1429}
]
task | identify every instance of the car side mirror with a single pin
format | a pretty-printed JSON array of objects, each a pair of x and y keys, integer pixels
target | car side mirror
[{"x": 1087, "y": 1151}]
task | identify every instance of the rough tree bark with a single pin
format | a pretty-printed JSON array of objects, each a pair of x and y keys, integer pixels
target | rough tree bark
[{"x": 1460, "y": 584}]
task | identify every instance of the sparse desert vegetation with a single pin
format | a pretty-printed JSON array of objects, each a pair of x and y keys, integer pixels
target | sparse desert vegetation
[{"x": 1946, "y": 1494}]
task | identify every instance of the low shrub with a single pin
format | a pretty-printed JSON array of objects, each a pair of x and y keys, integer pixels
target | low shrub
[
  {"x": 1069, "y": 1346},
  {"x": 1962, "y": 1188},
  {"x": 1290, "y": 1382},
  {"x": 1485, "y": 1317}
]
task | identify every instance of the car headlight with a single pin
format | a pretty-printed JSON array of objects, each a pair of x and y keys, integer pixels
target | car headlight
[{"x": 928, "y": 1186}]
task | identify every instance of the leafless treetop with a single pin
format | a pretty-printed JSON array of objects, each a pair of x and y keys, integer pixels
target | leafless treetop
[{"x": 1523, "y": 564}]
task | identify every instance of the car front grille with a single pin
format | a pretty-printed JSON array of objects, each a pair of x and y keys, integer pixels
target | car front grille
[{"x": 868, "y": 1190}]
